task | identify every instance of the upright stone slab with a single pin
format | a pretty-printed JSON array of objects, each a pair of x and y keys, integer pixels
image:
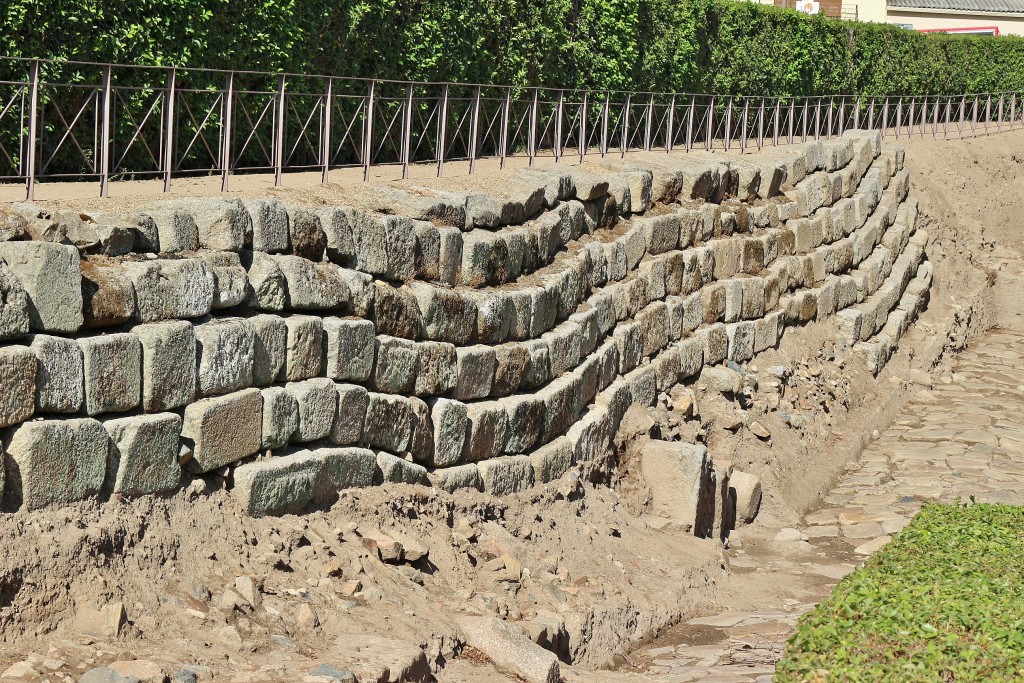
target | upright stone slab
[
  {"x": 144, "y": 453},
  {"x": 168, "y": 364},
  {"x": 108, "y": 297},
  {"x": 59, "y": 374},
  {"x": 304, "y": 349},
  {"x": 112, "y": 366},
  {"x": 224, "y": 355},
  {"x": 55, "y": 461},
  {"x": 18, "y": 368},
  {"x": 223, "y": 429},
  {"x": 269, "y": 348},
  {"x": 680, "y": 477},
  {"x": 269, "y": 225},
  {"x": 51, "y": 278},
  {"x": 350, "y": 348},
  {"x": 450, "y": 425},
  {"x": 14, "y": 311},
  {"x": 280, "y": 417},
  {"x": 350, "y": 415},
  {"x": 317, "y": 402},
  {"x": 389, "y": 422}
]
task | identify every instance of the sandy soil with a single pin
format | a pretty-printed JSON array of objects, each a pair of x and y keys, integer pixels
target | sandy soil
[{"x": 579, "y": 549}]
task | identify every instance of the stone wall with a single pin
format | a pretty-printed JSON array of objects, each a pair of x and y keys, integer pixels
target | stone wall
[{"x": 428, "y": 336}]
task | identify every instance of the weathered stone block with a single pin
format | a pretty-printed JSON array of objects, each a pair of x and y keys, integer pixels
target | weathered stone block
[
  {"x": 741, "y": 340},
  {"x": 266, "y": 288},
  {"x": 563, "y": 398},
  {"x": 18, "y": 383},
  {"x": 383, "y": 245},
  {"x": 222, "y": 224},
  {"x": 344, "y": 468},
  {"x": 269, "y": 348},
  {"x": 396, "y": 312},
  {"x": 350, "y": 347},
  {"x": 716, "y": 343},
  {"x": 395, "y": 470},
  {"x": 459, "y": 477},
  {"x": 223, "y": 429},
  {"x": 552, "y": 460},
  {"x": 389, "y": 422},
  {"x": 304, "y": 350},
  {"x": 167, "y": 229},
  {"x": 230, "y": 283},
  {"x": 224, "y": 355},
  {"x": 55, "y": 461},
  {"x": 108, "y": 297},
  {"x": 49, "y": 273},
  {"x": 144, "y": 454},
  {"x": 59, "y": 374},
  {"x": 313, "y": 286},
  {"x": 524, "y": 419},
  {"x": 396, "y": 366},
  {"x": 486, "y": 430},
  {"x": 305, "y": 234},
  {"x": 681, "y": 480},
  {"x": 437, "y": 371},
  {"x": 317, "y": 401},
  {"x": 475, "y": 366},
  {"x": 14, "y": 305},
  {"x": 278, "y": 486},
  {"x": 280, "y": 417},
  {"x": 512, "y": 366},
  {"x": 506, "y": 475},
  {"x": 450, "y": 423},
  {"x": 446, "y": 314},
  {"x": 269, "y": 225},
  {"x": 111, "y": 365},
  {"x": 170, "y": 288},
  {"x": 350, "y": 415}
]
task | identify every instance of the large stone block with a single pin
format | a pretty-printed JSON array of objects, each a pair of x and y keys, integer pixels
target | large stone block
[
  {"x": 680, "y": 477},
  {"x": 338, "y": 232},
  {"x": 59, "y": 374},
  {"x": 108, "y": 297},
  {"x": 230, "y": 282},
  {"x": 224, "y": 356},
  {"x": 512, "y": 367},
  {"x": 486, "y": 430},
  {"x": 506, "y": 475},
  {"x": 383, "y": 245},
  {"x": 266, "y": 287},
  {"x": 306, "y": 234},
  {"x": 166, "y": 228},
  {"x": 170, "y": 288},
  {"x": 350, "y": 415},
  {"x": 269, "y": 225},
  {"x": 269, "y": 348},
  {"x": 55, "y": 461},
  {"x": 278, "y": 486},
  {"x": 222, "y": 224},
  {"x": 510, "y": 647},
  {"x": 304, "y": 350},
  {"x": 396, "y": 366},
  {"x": 50, "y": 275},
  {"x": 313, "y": 286},
  {"x": 112, "y": 367},
  {"x": 563, "y": 398},
  {"x": 475, "y": 367},
  {"x": 389, "y": 422},
  {"x": 345, "y": 468},
  {"x": 14, "y": 306},
  {"x": 280, "y": 417},
  {"x": 144, "y": 454},
  {"x": 563, "y": 347},
  {"x": 552, "y": 460},
  {"x": 524, "y": 415},
  {"x": 437, "y": 371},
  {"x": 459, "y": 477},
  {"x": 223, "y": 429},
  {"x": 350, "y": 348},
  {"x": 395, "y": 470},
  {"x": 450, "y": 422},
  {"x": 18, "y": 384},
  {"x": 446, "y": 314},
  {"x": 317, "y": 401}
]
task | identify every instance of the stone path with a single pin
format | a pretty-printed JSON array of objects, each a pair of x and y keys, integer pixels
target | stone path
[{"x": 963, "y": 437}]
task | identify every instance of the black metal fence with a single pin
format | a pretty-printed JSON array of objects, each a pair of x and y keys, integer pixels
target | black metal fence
[{"x": 90, "y": 121}]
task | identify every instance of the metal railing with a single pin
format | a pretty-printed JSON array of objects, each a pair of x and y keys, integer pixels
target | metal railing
[{"x": 74, "y": 120}]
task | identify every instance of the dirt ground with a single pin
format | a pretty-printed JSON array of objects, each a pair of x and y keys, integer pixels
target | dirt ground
[{"x": 188, "y": 580}]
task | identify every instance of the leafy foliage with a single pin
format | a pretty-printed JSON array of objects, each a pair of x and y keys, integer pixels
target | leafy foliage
[
  {"x": 944, "y": 601},
  {"x": 714, "y": 46}
]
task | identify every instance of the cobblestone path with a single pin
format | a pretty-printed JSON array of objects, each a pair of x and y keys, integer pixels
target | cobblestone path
[{"x": 961, "y": 438}]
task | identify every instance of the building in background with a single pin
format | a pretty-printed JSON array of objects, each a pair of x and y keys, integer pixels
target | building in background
[{"x": 986, "y": 17}]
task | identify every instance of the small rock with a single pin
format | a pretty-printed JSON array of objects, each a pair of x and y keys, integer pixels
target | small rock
[
  {"x": 249, "y": 590},
  {"x": 306, "y": 617},
  {"x": 350, "y": 588},
  {"x": 139, "y": 669},
  {"x": 20, "y": 670},
  {"x": 105, "y": 674},
  {"x": 789, "y": 535},
  {"x": 723, "y": 380},
  {"x": 385, "y": 547},
  {"x": 728, "y": 421},
  {"x": 759, "y": 430},
  {"x": 872, "y": 546},
  {"x": 334, "y": 673}
]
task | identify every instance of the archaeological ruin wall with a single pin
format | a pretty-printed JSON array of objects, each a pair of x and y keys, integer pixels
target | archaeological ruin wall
[{"x": 424, "y": 335}]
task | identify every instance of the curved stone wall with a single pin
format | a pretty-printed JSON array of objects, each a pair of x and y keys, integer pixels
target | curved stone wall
[{"x": 423, "y": 335}]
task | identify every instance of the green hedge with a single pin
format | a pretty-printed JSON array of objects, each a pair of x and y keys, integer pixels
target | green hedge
[
  {"x": 715, "y": 46},
  {"x": 943, "y": 602}
]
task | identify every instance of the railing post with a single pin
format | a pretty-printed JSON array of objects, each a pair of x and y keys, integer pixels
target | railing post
[
  {"x": 559, "y": 115},
  {"x": 279, "y": 143},
  {"x": 974, "y": 117},
  {"x": 829, "y": 118},
  {"x": 625, "y": 125},
  {"x": 856, "y": 113},
  {"x": 671, "y": 123},
  {"x": 777, "y": 122},
  {"x": 407, "y": 131},
  {"x": 935, "y": 118},
  {"x": 532, "y": 146},
  {"x": 505, "y": 107},
  {"x": 1013, "y": 109},
  {"x": 728, "y": 122},
  {"x": 689, "y": 122},
  {"x": 33, "y": 130},
  {"x": 885, "y": 116},
  {"x": 325, "y": 138},
  {"x": 105, "y": 134},
  {"x": 743, "y": 128},
  {"x": 169, "y": 104},
  {"x": 474, "y": 129},
  {"x": 988, "y": 110},
  {"x": 649, "y": 125},
  {"x": 760, "y": 125},
  {"x": 817, "y": 118},
  {"x": 807, "y": 111},
  {"x": 442, "y": 132},
  {"x": 792, "y": 118},
  {"x": 225, "y": 171},
  {"x": 368, "y": 132},
  {"x": 583, "y": 127},
  {"x": 711, "y": 125},
  {"x": 605, "y": 111}
]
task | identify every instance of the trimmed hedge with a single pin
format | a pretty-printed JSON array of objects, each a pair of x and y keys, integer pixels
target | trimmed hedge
[
  {"x": 944, "y": 601},
  {"x": 717, "y": 46}
]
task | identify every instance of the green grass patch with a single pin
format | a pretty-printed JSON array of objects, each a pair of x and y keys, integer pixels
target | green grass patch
[{"x": 944, "y": 601}]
